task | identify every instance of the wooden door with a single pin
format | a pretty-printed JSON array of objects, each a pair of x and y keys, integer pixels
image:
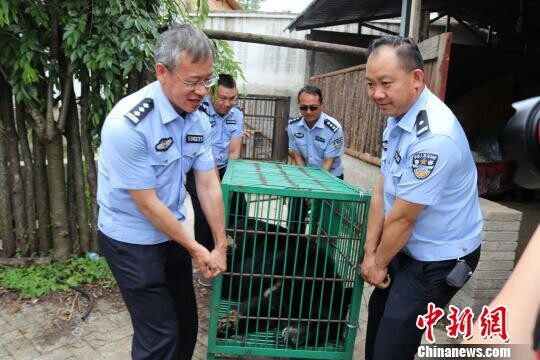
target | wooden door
[{"x": 346, "y": 99}]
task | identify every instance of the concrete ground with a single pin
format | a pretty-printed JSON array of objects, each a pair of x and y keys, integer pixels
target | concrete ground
[{"x": 44, "y": 329}]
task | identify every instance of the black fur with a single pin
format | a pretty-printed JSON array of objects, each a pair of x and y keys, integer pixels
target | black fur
[{"x": 282, "y": 275}]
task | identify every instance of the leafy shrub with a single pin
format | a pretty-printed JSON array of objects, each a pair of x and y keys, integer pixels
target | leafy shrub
[{"x": 38, "y": 280}]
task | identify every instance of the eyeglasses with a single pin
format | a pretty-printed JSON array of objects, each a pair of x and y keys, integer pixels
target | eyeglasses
[
  {"x": 310, "y": 107},
  {"x": 195, "y": 84}
]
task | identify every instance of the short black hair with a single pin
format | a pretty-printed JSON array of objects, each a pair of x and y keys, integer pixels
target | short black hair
[
  {"x": 310, "y": 89},
  {"x": 406, "y": 49},
  {"x": 226, "y": 81}
]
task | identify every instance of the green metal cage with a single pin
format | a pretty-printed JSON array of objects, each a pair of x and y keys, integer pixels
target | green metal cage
[{"x": 292, "y": 287}]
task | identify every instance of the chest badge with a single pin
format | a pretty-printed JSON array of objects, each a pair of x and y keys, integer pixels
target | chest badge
[
  {"x": 397, "y": 156},
  {"x": 164, "y": 144},
  {"x": 385, "y": 145},
  {"x": 423, "y": 164},
  {"x": 299, "y": 135},
  {"x": 198, "y": 139}
]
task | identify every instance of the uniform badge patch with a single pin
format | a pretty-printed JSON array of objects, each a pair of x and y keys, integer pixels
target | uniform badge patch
[
  {"x": 385, "y": 145},
  {"x": 194, "y": 138},
  {"x": 212, "y": 123},
  {"x": 320, "y": 139},
  {"x": 423, "y": 164},
  {"x": 338, "y": 143},
  {"x": 299, "y": 135},
  {"x": 230, "y": 121},
  {"x": 164, "y": 144}
]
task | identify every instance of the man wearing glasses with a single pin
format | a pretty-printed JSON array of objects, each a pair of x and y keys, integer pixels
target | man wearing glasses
[
  {"x": 149, "y": 141},
  {"x": 227, "y": 123},
  {"x": 315, "y": 140}
]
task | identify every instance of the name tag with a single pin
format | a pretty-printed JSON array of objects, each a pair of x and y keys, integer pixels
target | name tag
[
  {"x": 230, "y": 121},
  {"x": 320, "y": 139},
  {"x": 194, "y": 138}
]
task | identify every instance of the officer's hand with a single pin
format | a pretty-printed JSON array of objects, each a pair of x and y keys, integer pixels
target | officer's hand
[
  {"x": 382, "y": 283},
  {"x": 219, "y": 258},
  {"x": 373, "y": 274},
  {"x": 204, "y": 262},
  {"x": 367, "y": 263}
]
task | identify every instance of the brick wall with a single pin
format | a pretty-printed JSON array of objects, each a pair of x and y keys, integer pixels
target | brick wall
[{"x": 499, "y": 243}]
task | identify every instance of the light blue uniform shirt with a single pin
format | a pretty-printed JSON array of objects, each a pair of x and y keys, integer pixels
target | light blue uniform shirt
[
  {"x": 426, "y": 160},
  {"x": 146, "y": 144},
  {"x": 224, "y": 128},
  {"x": 323, "y": 141}
]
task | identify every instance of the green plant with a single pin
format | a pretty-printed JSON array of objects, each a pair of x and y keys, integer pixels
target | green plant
[
  {"x": 252, "y": 5},
  {"x": 39, "y": 280}
]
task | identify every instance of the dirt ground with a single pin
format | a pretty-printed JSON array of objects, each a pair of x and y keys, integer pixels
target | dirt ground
[{"x": 50, "y": 327}]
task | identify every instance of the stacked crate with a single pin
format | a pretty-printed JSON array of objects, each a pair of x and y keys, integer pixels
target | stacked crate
[{"x": 292, "y": 287}]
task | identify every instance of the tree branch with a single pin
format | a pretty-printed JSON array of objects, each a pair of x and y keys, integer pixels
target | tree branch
[
  {"x": 39, "y": 120},
  {"x": 49, "y": 118},
  {"x": 4, "y": 75},
  {"x": 66, "y": 98}
]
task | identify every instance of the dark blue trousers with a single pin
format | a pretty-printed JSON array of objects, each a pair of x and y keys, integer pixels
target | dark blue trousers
[
  {"x": 203, "y": 233},
  {"x": 156, "y": 285},
  {"x": 391, "y": 329}
]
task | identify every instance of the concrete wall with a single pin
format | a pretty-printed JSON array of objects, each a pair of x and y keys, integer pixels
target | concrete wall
[
  {"x": 269, "y": 70},
  {"x": 360, "y": 173},
  {"x": 499, "y": 241}
]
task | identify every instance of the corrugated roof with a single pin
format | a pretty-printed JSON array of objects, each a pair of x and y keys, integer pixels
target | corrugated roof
[{"x": 518, "y": 17}]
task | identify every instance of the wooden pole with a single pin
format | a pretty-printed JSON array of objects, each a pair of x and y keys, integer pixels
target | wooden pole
[
  {"x": 416, "y": 19},
  {"x": 286, "y": 42}
]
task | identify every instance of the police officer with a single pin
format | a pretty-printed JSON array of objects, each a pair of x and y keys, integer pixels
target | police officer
[
  {"x": 424, "y": 216},
  {"x": 227, "y": 122},
  {"x": 149, "y": 141},
  {"x": 315, "y": 140}
]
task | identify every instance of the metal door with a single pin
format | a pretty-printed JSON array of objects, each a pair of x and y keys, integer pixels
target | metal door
[{"x": 265, "y": 119}]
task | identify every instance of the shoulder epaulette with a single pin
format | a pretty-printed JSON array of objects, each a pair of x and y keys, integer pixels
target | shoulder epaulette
[
  {"x": 422, "y": 123},
  {"x": 296, "y": 119},
  {"x": 329, "y": 124},
  {"x": 204, "y": 108},
  {"x": 140, "y": 110}
]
